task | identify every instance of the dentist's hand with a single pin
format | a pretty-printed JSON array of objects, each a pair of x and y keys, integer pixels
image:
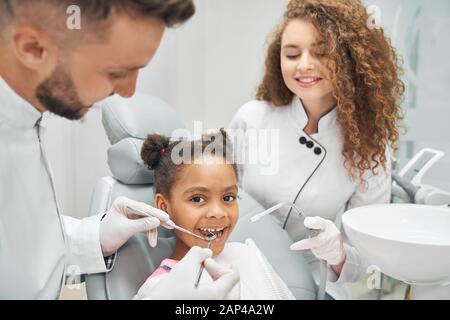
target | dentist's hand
[
  {"x": 178, "y": 284},
  {"x": 328, "y": 245},
  {"x": 120, "y": 224}
]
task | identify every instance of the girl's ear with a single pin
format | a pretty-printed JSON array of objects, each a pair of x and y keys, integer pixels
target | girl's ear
[{"x": 162, "y": 203}]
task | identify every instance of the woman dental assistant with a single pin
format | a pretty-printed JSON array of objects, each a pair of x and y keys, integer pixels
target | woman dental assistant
[{"x": 331, "y": 91}]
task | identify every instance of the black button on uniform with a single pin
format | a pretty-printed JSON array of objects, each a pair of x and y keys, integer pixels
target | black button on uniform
[
  {"x": 303, "y": 140},
  {"x": 310, "y": 144},
  {"x": 317, "y": 151}
]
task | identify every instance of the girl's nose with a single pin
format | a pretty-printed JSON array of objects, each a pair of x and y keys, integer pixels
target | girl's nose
[{"x": 216, "y": 211}]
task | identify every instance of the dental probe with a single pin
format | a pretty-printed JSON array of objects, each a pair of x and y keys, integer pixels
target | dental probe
[{"x": 170, "y": 224}]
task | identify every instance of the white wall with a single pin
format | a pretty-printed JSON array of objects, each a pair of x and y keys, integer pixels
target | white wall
[{"x": 212, "y": 65}]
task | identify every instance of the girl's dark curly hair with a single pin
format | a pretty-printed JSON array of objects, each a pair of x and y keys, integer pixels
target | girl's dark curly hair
[
  {"x": 365, "y": 73},
  {"x": 159, "y": 152}
]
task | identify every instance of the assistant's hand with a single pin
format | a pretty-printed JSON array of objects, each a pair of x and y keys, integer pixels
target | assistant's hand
[
  {"x": 328, "y": 245},
  {"x": 120, "y": 224},
  {"x": 179, "y": 283}
]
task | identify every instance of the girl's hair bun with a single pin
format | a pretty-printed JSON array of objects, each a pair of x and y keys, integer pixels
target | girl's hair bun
[{"x": 154, "y": 147}]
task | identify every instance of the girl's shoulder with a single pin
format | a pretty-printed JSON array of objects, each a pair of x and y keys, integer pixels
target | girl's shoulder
[{"x": 165, "y": 267}]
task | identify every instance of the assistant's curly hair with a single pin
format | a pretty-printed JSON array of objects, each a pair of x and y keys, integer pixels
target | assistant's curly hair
[{"x": 365, "y": 73}]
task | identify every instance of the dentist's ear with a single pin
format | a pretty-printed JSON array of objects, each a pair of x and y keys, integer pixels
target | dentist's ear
[{"x": 32, "y": 47}]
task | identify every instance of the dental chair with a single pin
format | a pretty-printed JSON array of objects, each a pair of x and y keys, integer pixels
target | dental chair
[{"x": 127, "y": 123}]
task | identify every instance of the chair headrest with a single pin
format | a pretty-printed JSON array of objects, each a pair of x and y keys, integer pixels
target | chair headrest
[{"x": 127, "y": 123}]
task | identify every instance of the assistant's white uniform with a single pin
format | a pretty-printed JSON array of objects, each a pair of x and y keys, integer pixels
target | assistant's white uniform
[
  {"x": 37, "y": 244},
  {"x": 305, "y": 169}
]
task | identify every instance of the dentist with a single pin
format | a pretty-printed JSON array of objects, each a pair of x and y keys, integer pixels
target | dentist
[
  {"x": 44, "y": 66},
  {"x": 331, "y": 91}
]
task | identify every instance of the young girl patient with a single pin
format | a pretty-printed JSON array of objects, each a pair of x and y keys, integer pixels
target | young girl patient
[{"x": 196, "y": 184}]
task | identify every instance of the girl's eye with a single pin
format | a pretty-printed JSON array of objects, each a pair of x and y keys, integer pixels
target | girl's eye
[
  {"x": 229, "y": 198},
  {"x": 198, "y": 199}
]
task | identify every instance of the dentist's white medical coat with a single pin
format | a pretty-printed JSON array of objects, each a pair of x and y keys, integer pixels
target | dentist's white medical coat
[
  {"x": 38, "y": 245},
  {"x": 307, "y": 170}
]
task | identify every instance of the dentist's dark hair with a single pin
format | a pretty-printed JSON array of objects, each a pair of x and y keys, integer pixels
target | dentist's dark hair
[
  {"x": 158, "y": 152},
  {"x": 94, "y": 12}
]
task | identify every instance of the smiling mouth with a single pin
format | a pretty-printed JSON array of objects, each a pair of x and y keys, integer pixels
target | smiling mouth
[
  {"x": 219, "y": 232},
  {"x": 308, "y": 80}
]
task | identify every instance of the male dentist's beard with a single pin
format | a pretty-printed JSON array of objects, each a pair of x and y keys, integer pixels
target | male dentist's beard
[{"x": 58, "y": 95}]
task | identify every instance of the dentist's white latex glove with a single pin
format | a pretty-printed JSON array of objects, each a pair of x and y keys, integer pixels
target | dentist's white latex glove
[
  {"x": 179, "y": 283},
  {"x": 120, "y": 224},
  {"x": 328, "y": 245}
]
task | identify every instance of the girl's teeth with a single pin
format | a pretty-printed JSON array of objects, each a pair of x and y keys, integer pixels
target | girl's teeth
[
  {"x": 211, "y": 230},
  {"x": 208, "y": 231}
]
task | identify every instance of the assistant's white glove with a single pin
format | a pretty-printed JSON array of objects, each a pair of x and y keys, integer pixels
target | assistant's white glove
[
  {"x": 328, "y": 245},
  {"x": 120, "y": 224},
  {"x": 179, "y": 283}
]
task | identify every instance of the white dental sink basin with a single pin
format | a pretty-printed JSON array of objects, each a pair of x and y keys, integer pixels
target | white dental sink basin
[{"x": 407, "y": 242}]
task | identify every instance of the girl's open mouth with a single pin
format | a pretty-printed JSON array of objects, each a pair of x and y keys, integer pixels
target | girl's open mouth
[{"x": 219, "y": 232}]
